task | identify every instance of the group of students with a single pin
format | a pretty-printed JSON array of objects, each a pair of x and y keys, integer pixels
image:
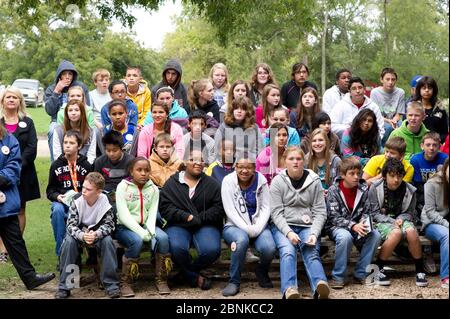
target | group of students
[{"x": 169, "y": 171}]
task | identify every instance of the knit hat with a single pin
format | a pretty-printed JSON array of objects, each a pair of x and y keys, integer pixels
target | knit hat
[{"x": 414, "y": 80}]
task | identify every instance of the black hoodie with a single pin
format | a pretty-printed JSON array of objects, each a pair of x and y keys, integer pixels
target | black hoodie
[
  {"x": 206, "y": 205},
  {"x": 178, "y": 87},
  {"x": 54, "y": 101},
  {"x": 59, "y": 179}
]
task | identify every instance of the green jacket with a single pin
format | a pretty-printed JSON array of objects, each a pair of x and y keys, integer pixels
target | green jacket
[
  {"x": 137, "y": 209},
  {"x": 412, "y": 140}
]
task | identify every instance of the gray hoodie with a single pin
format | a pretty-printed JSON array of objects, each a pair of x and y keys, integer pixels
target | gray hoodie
[
  {"x": 433, "y": 211},
  {"x": 53, "y": 100},
  {"x": 304, "y": 207}
]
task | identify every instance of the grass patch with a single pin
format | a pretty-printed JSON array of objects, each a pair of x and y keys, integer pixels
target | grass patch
[
  {"x": 40, "y": 118},
  {"x": 38, "y": 233}
]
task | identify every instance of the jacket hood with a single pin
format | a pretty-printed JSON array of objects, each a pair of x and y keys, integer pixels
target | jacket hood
[
  {"x": 309, "y": 179},
  {"x": 155, "y": 158},
  {"x": 175, "y": 108},
  {"x": 261, "y": 179},
  {"x": 66, "y": 66},
  {"x": 104, "y": 206},
  {"x": 129, "y": 182},
  {"x": 174, "y": 65},
  {"x": 348, "y": 100}
]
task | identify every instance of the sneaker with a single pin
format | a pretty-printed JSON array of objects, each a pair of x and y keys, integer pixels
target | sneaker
[
  {"x": 382, "y": 279},
  {"x": 113, "y": 294},
  {"x": 62, "y": 294},
  {"x": 421, "y": 279},
  {"x": 444, "y": 283},
  {"x": 428, "y": 263},
  {"x": 292, "y": 293},
  {"x": 322, "y": 290},
  {"x": 230, "y": 290},
  {"x": 250, "y": 257},
  {"x": 359, "y": 281},
  {"x": 263, "y": 278},
  {"x": 336, "y": 284},
  {"x": 3, "y": 258}
]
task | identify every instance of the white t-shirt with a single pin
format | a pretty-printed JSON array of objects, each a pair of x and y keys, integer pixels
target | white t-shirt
[{"x": 98, "y": 101}]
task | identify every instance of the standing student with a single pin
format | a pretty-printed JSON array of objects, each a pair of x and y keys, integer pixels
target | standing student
[
  {"x": 138, "y": 92},
  {"x": 298, "y": 214},
  {"x": 218, "y": 75},
  {"x": 262, "y": 75},
  {"x": 10, "y": 162},
  {"x": 245, "y": 197},
  {"x": 335, "y": 93},
  {"x": 17, "y": 123},
  {"x": 137, "y": 207},
  {"x": 391, "y": 101},
  {"x": 100, "y": 95},
  {"x": 292, "y": 90}
]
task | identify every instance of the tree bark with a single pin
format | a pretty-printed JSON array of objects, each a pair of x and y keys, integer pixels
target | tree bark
[{"x": 324, "y": 60}]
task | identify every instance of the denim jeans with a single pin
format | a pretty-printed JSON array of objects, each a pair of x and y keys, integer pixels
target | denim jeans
[
  {"x": 439, "y": 234},
  {"x": 288, "y": 259},
  {"x": 133, "y": 242},
  {"x": 388, "y": 130},
  {"x": 264, "y": 244},
  {"x": 344, "y": 243},
  {"x": 58, "y": 218},
  {"x": 51, "y": 130},
  {"x": 206, "y": 241}
]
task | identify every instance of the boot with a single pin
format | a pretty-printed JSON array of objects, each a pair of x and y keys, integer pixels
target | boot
[
  {"x": 163, "y": 268},
  {"x": 130, "y": 271}
]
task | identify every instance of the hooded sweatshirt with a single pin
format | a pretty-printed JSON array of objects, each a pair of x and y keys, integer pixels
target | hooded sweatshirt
[
  {"x": 330, "y": 98},
  {"x": 434, "y": 211},
  {"x": 345, "y": 111},
  {"x": 412, "y": 140},
  {"x": 161, "y": 171},
  {"x": 53, "y": 101},
  {"x": 231, "y": 198},
  {"x": 304, "y": 207},
  {"x": 177, "y": 114},
  {"x": 206, "y": 204},
  {"x": 137, "y": 208},
  {"x": 178, "y": 87},
  {"x": 143, "y": 101}
]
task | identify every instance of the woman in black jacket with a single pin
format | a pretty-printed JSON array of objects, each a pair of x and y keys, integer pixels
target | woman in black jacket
[{"x": 14, "y": 118}]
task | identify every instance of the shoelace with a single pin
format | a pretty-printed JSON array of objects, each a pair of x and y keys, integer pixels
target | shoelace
[{"x": 421, "y": 276}]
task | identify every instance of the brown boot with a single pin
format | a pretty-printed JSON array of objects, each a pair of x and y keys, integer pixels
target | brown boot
[
  {"x": 163, "y": 268},
  {"x": 130, "y": 271}
]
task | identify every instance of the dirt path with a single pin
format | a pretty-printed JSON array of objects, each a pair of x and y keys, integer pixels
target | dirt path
[{"x": 42, "y": 149}]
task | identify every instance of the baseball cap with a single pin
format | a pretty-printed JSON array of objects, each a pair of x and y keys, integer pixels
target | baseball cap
[{"x": 414, "y": 80}]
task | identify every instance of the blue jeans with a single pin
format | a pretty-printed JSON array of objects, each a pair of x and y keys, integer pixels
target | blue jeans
[
  {"x": 206, "y": 241},
  {"x": 288, "y": 259},
  {"x": 51, "y": 129},
  {"x": 58, "y": 218},
  {"x": 344, "y": 243},
  {"x": 133, "y": 242},
  {"x": 439, "y": 234},
  {"x": 264, "y": 244},
  {"x": 388, "y": 130}
]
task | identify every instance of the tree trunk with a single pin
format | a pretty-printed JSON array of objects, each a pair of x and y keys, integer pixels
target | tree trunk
[
  {"x": 324, "y": 60},
  {"x": 386, "y": 35}
]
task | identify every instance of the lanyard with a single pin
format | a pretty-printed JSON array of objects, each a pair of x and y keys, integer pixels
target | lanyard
[{"x": 73, "y": 175}]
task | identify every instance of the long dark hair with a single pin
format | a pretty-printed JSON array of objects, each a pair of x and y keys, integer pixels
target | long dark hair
[
  {"x": 168, "y": 123},
  {"x": 358, "y": 138},
  {"x": 426, "y": 80}
]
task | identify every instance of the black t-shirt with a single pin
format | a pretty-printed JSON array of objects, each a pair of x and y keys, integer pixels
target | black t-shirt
[{"x": 298, "y": 183}]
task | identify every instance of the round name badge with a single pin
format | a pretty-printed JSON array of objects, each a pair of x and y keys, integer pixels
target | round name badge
[
  {"x": 5, "y": 150},
  {"x": 306, "y": 219},
  {"x": 129, "y": 137},
  {"x": 22, "y": 124},
  {"x": 233, "y": 246}
]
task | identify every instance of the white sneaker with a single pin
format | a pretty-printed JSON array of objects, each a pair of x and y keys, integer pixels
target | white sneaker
[{"x": 250, "y": 257}]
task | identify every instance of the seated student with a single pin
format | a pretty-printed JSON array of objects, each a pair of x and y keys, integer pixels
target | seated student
[
  {"x": 10, "y": 165},
  {"x": 246, "y": 200},
  {"x": 224, "y": 164},
  {"x": 412, "y": 130},
  {"x": 270, "y": 161},
  {"x": 75, "y": 119},
  {"x": 394, "y": 201},
  {"x": 77, "y": 93},
  {"x": 162, "y": 124},
  {"x": 321, "y": 160},
  {"x": 100, "y": 95},
  {"x": 348, "y": 223},
  {"x": 90, "y": 223},
  {"x": 118, "y": 91},
  {"x": 280, "y": 114},
  {"x": 298, "y": 214},
  {"x": 322, "y": 120},
  {"x": 191, "y": 204},
  {"x": 138, "y": 92},
  {"x": 270, "y": 99},
  {"x": 362, "y": 139},
  {"x": 238, "y": 88},
  {"x": 218, "y": 75},
  {"x": 394, "y": 147},
  {"x": 196, "y": 138},
  {"x": 426, "y": 164},
  {"x": 137, "y": 207},
  {"x": 201, "y": 96},
  {"x": 444, "y": 147},
  {"x": 291, "y": 90},
  {"x": 164, "y": 161},
  {"x": 335, "y": 93},
  {"x": 177, "y": 114},
  {"x": 435, "y": 216},
  {"x": 113, "y": 165},
  {"x": 66, "y": 178}
]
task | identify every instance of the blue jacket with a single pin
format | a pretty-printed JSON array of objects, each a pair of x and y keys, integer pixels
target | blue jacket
[
  {"x": 10, "y": 165},
  {"x": 177, "y": 114},
  {"x": 54, "y": 101},
  {"x": 132, "y": 116}
]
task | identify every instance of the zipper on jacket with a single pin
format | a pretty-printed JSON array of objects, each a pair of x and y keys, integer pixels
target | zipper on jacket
[{"x": 142, "y": 206}]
